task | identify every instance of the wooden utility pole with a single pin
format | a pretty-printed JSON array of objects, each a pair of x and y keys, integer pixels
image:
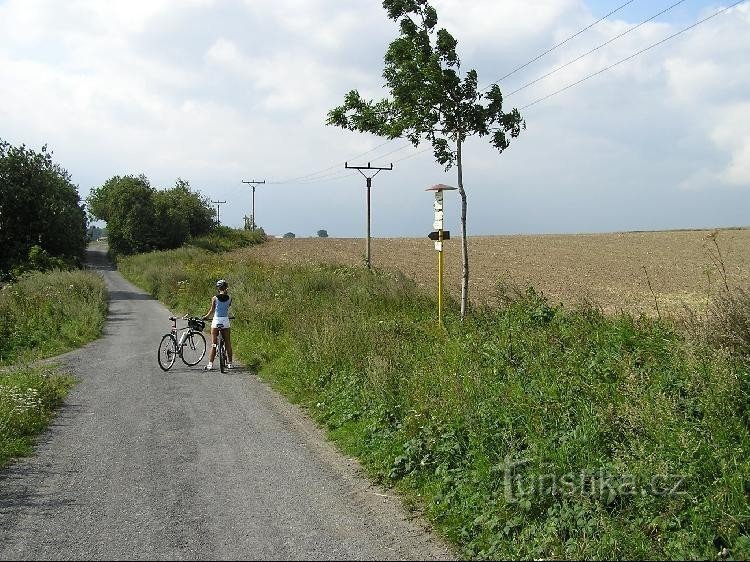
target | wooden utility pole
[
  {"x": 218, "y": 206},
  {"x": 369, "y": 185},
  {"x": 253, "y": 183}
]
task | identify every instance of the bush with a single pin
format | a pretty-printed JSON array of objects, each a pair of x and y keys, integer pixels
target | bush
[
  {"x": 224, "y": 239},
  {"x": 289, "y": 235}
]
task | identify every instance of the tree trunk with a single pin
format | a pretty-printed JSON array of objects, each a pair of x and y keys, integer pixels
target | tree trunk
[{"x": 464, "y": 241}]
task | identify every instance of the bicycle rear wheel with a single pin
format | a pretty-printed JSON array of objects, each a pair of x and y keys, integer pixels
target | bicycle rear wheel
[
  {"x": 222, "y": 354},
  {"x": 167, "y": 352},
  {"x": 194, "y": 349}
]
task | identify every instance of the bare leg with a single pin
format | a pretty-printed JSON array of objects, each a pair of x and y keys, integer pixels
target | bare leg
[
  {"x": 228, "y": 343},
  {"x": 214, "y": 339}
]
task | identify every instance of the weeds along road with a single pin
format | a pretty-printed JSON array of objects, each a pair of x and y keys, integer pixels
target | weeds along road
[{"x": 142, "y": 464}]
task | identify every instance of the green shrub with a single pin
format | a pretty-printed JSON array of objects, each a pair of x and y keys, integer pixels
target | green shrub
[{"x": 224, "y": 239}]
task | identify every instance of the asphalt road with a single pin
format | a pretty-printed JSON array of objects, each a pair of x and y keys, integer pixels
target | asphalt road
[{"x": 142, "y": 464}]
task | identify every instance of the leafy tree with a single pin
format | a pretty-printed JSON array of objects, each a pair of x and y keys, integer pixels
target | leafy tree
[
  {"x": 140, "y": 218},
  {"x": 322, "y": 233},
  {"x": 289, "y": 235},
  {"x": 126, "y": 204},
  {"x": 430, "y": 101},
  {"x": 39, "y": 207},
  {"x": 181, "y": 214}
]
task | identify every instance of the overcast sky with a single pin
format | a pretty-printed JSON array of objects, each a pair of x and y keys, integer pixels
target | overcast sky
[{"x": 220, "y": 91}]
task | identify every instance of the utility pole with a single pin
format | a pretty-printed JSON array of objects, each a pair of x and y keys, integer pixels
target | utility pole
[
  {"x": 253, "y": 183},
  {"x": 218, "y": 206},
  {"x": 369, "y": 185}
]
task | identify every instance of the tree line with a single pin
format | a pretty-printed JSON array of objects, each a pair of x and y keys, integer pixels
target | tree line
[
  {"x": 141, "y": 219},
  {"x": 44, "y": 224}
]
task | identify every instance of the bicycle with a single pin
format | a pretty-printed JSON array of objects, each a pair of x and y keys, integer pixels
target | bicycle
[
  {"x": 191, "y": 347},
  {"x": 221, "y": 349}
]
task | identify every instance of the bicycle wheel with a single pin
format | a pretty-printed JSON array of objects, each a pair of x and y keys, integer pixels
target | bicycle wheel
[
  {"x": 222, "y": 354},
  {"x": 167, "y": 352},
  {"x": 194, "y": 349}
]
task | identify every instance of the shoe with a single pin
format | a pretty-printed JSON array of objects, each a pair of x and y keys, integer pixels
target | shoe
[
  {"x": 229, "y": 365},
  {"x": 208, "y": 368}
]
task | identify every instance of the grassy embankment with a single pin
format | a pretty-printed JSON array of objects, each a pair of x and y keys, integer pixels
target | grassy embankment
[
  {"x": 42, "y": 315},
  {"x": 529, "y": 431}
]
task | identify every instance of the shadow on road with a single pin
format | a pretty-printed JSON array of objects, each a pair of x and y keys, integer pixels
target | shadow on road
[{"x": 129, "y": 296}]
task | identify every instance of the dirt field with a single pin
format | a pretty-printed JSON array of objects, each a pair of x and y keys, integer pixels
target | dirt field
[{"x": 607, "y": 269}]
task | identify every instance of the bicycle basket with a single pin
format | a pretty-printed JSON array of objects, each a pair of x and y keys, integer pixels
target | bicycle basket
[{"x": 196, "y": 324}]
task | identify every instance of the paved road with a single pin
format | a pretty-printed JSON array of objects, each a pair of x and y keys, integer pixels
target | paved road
[{"x": 145, "y": 465}]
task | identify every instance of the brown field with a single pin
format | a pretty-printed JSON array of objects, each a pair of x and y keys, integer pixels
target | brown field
[{"x": 607, "y": 269}]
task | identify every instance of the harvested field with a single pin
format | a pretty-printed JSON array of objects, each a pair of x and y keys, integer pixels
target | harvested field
[{"x": 607, "y": 269}]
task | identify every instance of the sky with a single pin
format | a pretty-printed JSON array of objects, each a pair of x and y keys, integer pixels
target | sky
[{"x": 217, "y": 92}]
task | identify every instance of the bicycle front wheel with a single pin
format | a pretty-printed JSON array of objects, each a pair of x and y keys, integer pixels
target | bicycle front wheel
[
  {"x": 167, "y": 352},
  {"x": 194, "y": 349}
]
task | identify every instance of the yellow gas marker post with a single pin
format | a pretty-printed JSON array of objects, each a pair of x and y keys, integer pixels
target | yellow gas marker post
[{"x": 439, "y": 235}]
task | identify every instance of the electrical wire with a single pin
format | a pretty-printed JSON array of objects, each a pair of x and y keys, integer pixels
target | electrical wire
[
  {"x": 560, "y": 44},
  {"x": 313, "y": 177},
  {"x": 613, "y": 39},
  {"x": 611, "y": 66}
]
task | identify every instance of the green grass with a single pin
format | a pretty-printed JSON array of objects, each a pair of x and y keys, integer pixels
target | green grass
[
  {"x": 224, "y": 239},
  {"x": 41, "y": 315},
  {"x": 45, "y": 314},
  {"x": 528, "y": 431},
  {"x": 28, "y": 398}
]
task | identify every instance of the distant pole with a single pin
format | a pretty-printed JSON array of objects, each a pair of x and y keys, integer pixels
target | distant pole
[
  {"x": 369, "y": 185},
  {"x": 218, "y": 206},
  {"x": 253, "y": 183}
]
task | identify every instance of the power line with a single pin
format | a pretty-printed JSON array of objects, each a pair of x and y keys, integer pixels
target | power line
[
  {"x": 560, "y": 44},
  {"x": 312, "y": 175},
  {"x": 611, "y": 66},
  {"x": 644, "y": 22},
  {"x": 338, "y": 165}
]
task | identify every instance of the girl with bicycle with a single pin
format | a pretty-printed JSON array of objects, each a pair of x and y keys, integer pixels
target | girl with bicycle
[{"x": 220, "y": 304}]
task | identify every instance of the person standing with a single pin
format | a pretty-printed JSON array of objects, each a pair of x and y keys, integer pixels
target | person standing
[{"x": 220, "y": 304}]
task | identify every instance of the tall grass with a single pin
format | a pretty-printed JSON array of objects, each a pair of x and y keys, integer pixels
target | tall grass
[
  {"x": 41, "y": 315},
  {"x": 44, "y": 314},
  {"x": 528, "y": 431},
  {"x": 28, "y": 397}
]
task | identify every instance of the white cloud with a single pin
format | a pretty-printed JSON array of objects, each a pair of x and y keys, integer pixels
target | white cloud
[{"x": 210, "y": 91}]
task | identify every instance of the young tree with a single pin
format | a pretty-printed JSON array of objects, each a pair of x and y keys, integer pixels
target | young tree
[{"x": 430, "y": 101}]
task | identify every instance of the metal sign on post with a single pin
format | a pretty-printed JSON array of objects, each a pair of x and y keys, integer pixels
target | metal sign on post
[{"x": 439, "y": 236}]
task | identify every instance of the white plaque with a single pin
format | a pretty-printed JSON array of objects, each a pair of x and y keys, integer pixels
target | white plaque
[
  {"x": 437, "y": 225},
  {"x": 439, "y": 246},
  {"x": 438, "y": 215}
]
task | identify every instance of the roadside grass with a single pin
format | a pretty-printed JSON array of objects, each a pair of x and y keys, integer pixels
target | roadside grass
[
  {"x": 528, "y": 431},
  {"x": 45, "y": 314},
  {"x": 28, "y": 398},
  {"x": 224, "y": 239},
  {"x": 41, "y": 315}
]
